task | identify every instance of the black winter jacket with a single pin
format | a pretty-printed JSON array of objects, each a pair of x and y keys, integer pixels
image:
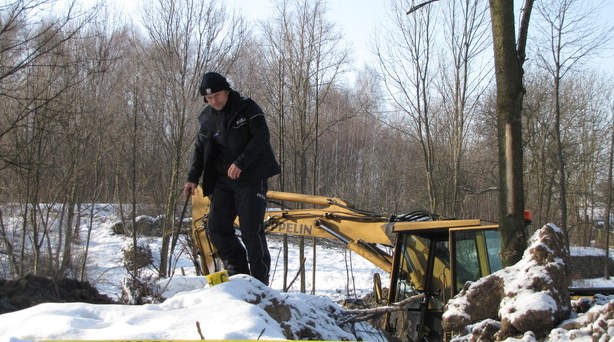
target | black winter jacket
[{"x": 246, "y": 137}]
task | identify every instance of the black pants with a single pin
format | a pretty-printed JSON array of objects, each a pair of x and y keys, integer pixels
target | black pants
[{"x": 248, "y": 202}]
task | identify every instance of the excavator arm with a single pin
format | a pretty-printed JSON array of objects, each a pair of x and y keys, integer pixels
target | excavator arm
[
  {"x": 367, "y": 234},
  {"x": 209, "y": 262},
  {"x": 360, "y": 231}
]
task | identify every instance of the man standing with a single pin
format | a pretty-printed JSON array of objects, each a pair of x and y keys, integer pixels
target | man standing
[{"x": 233, "y": 154}]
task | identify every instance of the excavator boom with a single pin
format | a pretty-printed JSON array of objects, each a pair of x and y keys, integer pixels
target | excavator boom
[{"x": 360, "y": 231}]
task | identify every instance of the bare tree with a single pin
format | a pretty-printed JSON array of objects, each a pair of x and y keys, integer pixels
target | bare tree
[
  {"x": 185, "y": 40},
  {"x": 538, "y": 154},
  {"x": 465, "y": 75},
  {"x": 306, "y": 57},
  {"x": 374, "y": 170},
  {"x": 572, "y": 33},
  {"x": 583, "y": 125},
  {"x": 404, "y": 55},
  {"x": 46, "y": 65},
  {"x": 275, "y": 102},
  {"x": 509, "y": 59},
  {"x": 584, "y": 128},
  {"x": 25, "y": 41},
  {"x": 608, "y": 208}
]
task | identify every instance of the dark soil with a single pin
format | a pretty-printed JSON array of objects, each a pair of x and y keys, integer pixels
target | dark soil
[{"x": 33, "y": 290}]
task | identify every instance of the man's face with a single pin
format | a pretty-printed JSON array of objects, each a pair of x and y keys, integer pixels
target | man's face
[{"x": 217, "y": 100}]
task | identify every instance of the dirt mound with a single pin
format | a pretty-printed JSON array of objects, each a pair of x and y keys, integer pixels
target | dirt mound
[
  {"x": 33, "y": 290},
  {"x": 531, "y": 295}
]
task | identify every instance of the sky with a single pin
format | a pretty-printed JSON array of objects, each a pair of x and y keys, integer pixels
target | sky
[
  {"x": 358, "y": 20},
  {"x": 233, "y": 310}
]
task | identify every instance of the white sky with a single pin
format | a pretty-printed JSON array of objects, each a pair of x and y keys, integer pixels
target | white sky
[{"x": 358, "y": 19}]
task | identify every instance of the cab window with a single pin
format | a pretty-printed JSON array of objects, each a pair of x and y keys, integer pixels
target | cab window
[
  {"x": 493, "y": 244},
  {"x": 477, "y": 254},
  {"x": 466, "y": 263}
]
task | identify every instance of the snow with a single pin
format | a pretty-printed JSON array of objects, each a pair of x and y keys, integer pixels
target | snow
[
  {"x": 526, "y": 299},
  {"x": 105, "y": 267},
  {"x": 240, "y": 309},
  {"x": 225, "y": 311},
  {"x": 233, "y": 310}
]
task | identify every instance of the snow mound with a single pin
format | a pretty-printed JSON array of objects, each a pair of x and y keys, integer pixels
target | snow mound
[
  {"x": 531, "y": 296},
  {"x": 240, "y": 309}
]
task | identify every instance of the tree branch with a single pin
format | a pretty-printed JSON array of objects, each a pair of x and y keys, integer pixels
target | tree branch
[
  {"x": 418, "y": 6},
  {"x": 523, "y": 31},
  {"x": 359, "y": 315}
]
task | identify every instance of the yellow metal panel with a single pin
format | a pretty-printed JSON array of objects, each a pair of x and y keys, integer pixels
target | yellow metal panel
[
  {"x": 378, "y": 260},
  {"x": 482, "y": 227},
  {"x": 302, "y": 198},
  {"x": 432, "y": 225}
]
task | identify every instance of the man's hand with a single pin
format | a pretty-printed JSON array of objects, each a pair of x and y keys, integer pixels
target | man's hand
[
  {"x": 189, "y": 189},
  {"x": 233, "y": 171}
]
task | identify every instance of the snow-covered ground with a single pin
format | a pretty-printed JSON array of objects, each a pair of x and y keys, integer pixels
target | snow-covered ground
[
  {"x": 232, "y": 310},
  {"x": 105, "y": 266},
  {"x": 235, "y": 310}
]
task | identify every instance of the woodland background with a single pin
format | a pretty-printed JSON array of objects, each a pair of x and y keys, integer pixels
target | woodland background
[{"x": 97, "y": 108}]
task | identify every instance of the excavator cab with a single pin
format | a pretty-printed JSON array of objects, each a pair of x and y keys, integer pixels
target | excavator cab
[{"x": 436, "y": 259}]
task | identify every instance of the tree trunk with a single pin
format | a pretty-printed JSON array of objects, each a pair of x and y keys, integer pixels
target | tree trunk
[
  {"x": 510, "y": 92},
  {"x": 606, "y": 271}
]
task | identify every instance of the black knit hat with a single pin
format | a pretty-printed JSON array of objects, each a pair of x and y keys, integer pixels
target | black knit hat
[{"x": 213, "y": 82}]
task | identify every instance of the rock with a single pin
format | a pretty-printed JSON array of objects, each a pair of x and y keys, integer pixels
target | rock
[
  {"x": 588, "y": 266},
  {"x": 531, "y": 296},
  {"x": 147, "y": 226},
  {"x": 481, "y": 301},
  {"x": 5, "y": 306}
]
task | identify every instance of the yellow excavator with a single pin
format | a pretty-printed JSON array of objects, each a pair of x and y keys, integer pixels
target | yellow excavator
[{"x": 422, "y": 253}]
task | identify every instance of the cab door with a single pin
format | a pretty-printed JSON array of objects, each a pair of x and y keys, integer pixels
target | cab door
[{"x": 474, "y": 253}]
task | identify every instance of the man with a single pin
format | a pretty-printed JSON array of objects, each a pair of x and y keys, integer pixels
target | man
[{"x": 233, "y": 154}]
